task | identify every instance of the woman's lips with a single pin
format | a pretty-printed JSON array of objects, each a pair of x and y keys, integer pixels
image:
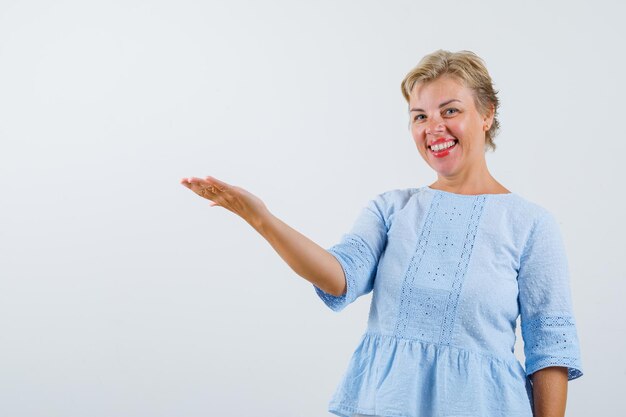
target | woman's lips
[
  {"x": 440, "y": 140},
  {"x": 443, "y": 152}
]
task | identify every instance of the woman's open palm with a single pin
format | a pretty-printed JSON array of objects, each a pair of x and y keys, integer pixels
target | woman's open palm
[{"x": 231, "y": 197}]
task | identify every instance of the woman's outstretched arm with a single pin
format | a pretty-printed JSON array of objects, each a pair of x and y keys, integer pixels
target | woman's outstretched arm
[{"x": 306, "y": 258}]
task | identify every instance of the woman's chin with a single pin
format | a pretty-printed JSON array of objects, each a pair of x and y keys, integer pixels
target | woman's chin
[
  {"x": 446, "y": 163},
  {"x": 446, "y": 171}
]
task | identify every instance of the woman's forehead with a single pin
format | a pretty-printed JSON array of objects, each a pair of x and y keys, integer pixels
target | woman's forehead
[{"x": 440, "y": 89}]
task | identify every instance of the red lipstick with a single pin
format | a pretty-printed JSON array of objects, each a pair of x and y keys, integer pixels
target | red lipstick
[
  {"x": 444, "y": 152},
  {"x": 440, "y": 140}
]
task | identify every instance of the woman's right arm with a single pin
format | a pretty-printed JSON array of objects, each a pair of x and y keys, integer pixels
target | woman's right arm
[{"x": 306, "y": 258}]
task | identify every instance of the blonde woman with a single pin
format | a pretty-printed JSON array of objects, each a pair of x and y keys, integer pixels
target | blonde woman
[{"x": 451, "y": 266}]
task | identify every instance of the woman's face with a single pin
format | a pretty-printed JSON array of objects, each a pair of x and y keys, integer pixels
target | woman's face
[{"x": 443, "y": 111}]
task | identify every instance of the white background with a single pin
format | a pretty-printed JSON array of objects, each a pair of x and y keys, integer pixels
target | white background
[{"x": 122, "y": 293}]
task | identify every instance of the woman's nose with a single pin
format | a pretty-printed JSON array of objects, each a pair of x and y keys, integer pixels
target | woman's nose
[{"x": 434, "y": 125}]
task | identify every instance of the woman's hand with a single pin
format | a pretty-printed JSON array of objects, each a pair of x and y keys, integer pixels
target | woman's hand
[
  {"x": 307, "y": 259},
  {"x": 233, "y": 198}
]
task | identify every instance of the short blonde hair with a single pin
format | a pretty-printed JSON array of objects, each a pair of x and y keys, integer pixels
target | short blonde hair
[{"x": 468, "y": 68}]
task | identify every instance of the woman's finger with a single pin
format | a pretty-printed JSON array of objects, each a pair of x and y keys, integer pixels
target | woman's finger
[
  {"x": 186, "y": 183},
  {"x": 220, "y": 184},
  {"x": 196, "y": 184},
  {"x": 194, "y": 180},
  {"x": 208, "y": 187},
  {"x": 206, "y": 191},
  {"x": 199, "y": 188}
]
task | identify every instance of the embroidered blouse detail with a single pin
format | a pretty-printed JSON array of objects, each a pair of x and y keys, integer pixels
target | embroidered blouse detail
[{"x": 450, "y": 275}]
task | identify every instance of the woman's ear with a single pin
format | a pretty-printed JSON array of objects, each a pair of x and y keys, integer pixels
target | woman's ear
[{"x": 488, "y": 119}]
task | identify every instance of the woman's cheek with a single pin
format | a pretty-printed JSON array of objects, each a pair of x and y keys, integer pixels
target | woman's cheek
[
  {"x": 418, "y": 133},
  {"x": 418, "y": 138},
  {"x": 457, "y": 132}
]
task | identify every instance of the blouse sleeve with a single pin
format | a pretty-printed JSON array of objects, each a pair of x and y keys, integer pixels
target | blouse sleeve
[
  {"x": 358, "y": 253},
  {"x": 547, "y": 319}
]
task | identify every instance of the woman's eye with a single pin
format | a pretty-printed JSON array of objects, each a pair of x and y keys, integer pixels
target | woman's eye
[
  {"x": 417, "y": 118},
  {"x": 451, "y": 109}
]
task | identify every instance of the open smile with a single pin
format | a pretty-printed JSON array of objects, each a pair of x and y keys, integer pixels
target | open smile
[{"x": 442, "y": 148}]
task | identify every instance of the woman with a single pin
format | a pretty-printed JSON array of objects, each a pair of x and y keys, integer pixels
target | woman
[{"x": 451, "y": 266}]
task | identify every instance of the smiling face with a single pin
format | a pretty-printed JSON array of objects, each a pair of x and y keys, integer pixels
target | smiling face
[{"x": 443, "y": 113}]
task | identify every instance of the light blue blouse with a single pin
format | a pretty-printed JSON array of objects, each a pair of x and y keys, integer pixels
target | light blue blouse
[{"x": 450, "y": 274}]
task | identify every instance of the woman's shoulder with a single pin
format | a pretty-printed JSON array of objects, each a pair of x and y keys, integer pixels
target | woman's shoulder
[
  {"x": 395, "y": 199},
  {"x": 528, "y": 208},
  {"x": 398, "y": 194},
  {"x": 523, "y": 218}
]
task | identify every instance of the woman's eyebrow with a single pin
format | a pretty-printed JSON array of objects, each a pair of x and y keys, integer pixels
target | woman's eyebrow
[{"x": 441, "y": 105}]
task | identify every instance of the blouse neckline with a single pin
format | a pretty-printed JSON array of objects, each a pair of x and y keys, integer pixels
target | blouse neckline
[{"x": 427, "y": 187}]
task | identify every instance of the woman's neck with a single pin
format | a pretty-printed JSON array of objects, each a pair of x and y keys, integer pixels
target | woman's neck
[{"x": 477, "y": 185}]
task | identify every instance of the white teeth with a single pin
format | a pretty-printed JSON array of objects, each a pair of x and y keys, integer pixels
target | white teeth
[{"x": 442, "y": 146}]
